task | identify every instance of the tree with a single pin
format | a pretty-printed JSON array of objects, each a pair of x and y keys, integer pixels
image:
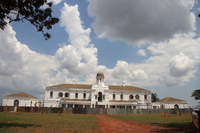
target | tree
[
  {"x": 30, "y": 10},
  {"x": 196, "y": 94},
  {"x": 154, "y": 97}
]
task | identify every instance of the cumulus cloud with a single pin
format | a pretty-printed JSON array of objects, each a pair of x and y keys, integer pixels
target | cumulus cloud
[
  {"x": 170, "y": 63},
  {"x": 180, "y": 65},
  {"x": 10, "y": 63},
  {"x": 138, "y": 75},
  {"x": 121, "y": 69},
  {"x": 55, "y": 1},
  {"x": 79, "y": 57},
  {"x": 176, "y": 63},
  {"x": 70, "y": 19},
  {"x": 22, "y": 69},
  {"x": 142, "y": 52},
  {"x": 141, "y": 21}
]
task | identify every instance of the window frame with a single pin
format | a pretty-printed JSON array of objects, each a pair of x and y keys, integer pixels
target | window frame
[
  {"x": 76, "y": 95},
  {"x": 66, "y": 94},
  {"x": 131, "y": 97},
  {"x": 84, "y": 95},
  {"x": 60, "y": 94},
  {"x": 137, "y": 97}
]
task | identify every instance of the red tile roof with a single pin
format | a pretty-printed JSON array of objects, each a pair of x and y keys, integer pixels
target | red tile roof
[{"x": 21, "y": 95}]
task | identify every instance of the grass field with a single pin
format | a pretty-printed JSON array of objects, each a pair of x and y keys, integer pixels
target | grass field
[
  {"x": 45, "y": 123},
  {"x": 79, "y": 123},
  {"x": 173, "y": 121}
]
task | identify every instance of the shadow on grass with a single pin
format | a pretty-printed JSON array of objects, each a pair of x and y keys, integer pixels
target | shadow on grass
[
  {"x": 172, "y": 125},
  {"x": 177, "y": 127},
  {"x": 6, "y": 125}
]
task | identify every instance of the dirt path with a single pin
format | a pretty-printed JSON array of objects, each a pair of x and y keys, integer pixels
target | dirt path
[{"x": 113, "y": 125}]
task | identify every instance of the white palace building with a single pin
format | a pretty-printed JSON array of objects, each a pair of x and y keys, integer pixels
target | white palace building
[
  {"x": 92, "y": 96},
  {"x": 97, "y": 95}
]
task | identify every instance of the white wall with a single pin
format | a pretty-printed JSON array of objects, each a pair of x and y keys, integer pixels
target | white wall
[{"x": 22, "y": 102}]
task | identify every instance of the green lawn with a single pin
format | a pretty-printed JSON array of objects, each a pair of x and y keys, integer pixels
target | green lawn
[
  {"x": 45, "y": 123},
  {"x": 79, "y": 123},
  {"x": 173, "y": 121}
]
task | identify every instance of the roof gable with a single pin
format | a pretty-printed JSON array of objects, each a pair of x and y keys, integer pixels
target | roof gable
[
  {"x": 171, "y": 99},
  {"x": 115, "y": 87},
  {"x": 81, "y": 86},
  {"x": 21, "y": 95},
  {"x": 87, "y": 86}
]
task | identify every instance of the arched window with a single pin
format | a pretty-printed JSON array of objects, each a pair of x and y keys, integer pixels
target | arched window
[
  {"x": 131, "y": 96},
  {"x": 60, "y": 94},
  {"x": 16, "y": 103},
  {"x": 66, "y": 94},
  {"x": 137, "y": 97},
  {"x": 100, "y": 97},
  {"x": 176, "y": 106}
]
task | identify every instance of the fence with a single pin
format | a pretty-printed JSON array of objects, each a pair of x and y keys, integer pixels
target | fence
[{"x": 101, "y": 111}]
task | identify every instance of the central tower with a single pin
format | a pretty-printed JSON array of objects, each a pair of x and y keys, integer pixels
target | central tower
[
  {"x": 100, "y": 92},
  {"x": 100, "y": 79}
]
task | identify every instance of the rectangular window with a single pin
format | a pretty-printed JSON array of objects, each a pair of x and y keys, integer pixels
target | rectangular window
[
  {"x": 113, "y": 96},
  {"x": 51, "y": 94},
  {"x": 145, "y": 97},
  {"x": 84, "y": 95},
  {"x": 76, "y": 95},
  {"x": 121, "y": 96},
  {"x": 70, "y": 105}
]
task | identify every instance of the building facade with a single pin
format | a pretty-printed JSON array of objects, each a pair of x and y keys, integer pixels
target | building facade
[
  {"x": 97, "y": 95},
  {"x": 170, "y": 103},
  {"x": 21, "y": 99}
]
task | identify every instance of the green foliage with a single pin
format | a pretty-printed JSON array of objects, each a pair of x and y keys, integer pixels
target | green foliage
[
  {"x": 196, "y": 94},
  {"x": 30, "y": 10},
  {"x": 154, "y": 97}
]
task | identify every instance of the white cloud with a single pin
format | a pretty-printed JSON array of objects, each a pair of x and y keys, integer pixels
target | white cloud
[
  {"x": 79, "y": 58},
  {"x": 180, "y": 65},
  {"x": 141, "y": 21},
  {"x": 70, "y": 19},
  {"x": 55, "y": 2},
  {"x": 22, "y": 69},
  {"x": 142, "y": 52},
  {"x": 138, "y": 75},
  {"x": 121, "y": 69}
]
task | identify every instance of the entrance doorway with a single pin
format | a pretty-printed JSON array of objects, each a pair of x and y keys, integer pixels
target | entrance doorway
[
  {"x": 176, "y": 106},
  {"x": 100, "y": 97},
  {"x": 16, "y": 103}
]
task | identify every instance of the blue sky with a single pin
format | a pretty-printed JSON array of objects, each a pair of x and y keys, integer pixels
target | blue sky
[{"x": 153, "y": 45}]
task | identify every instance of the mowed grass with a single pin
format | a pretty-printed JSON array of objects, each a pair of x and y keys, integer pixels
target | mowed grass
[
  {"x": 173, "y": 121},
  {"x": 45, "y": 123}
]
